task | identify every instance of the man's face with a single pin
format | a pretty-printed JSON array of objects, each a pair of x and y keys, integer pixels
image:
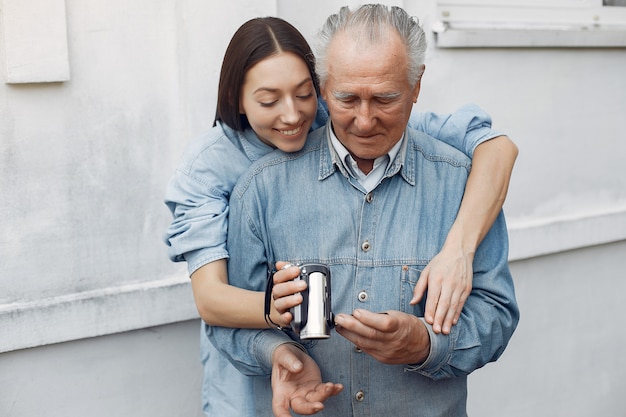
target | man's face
[{"x": 369, "y": 96}]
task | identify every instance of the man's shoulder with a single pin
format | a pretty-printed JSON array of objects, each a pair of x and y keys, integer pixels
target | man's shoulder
[{"x": 433, "y": 149}]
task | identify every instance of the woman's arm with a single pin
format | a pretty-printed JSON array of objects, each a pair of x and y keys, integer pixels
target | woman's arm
[
  {"x": 449, "y": 274},
  {"x": 221, "y": 304}
]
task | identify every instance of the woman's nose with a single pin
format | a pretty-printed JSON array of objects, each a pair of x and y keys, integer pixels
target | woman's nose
[{"x": 290, "y": 113}]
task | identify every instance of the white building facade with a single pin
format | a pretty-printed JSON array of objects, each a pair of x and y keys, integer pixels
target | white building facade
[{"x": 98, "y": 99}]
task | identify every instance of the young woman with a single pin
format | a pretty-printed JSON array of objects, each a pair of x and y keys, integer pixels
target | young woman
[{"x": 268, "y": 99}]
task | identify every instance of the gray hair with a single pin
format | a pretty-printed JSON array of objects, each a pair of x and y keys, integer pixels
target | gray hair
[{"x": 371, "y": 23}]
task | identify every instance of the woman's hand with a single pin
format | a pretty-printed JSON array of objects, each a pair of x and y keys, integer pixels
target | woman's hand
[
  {"x": 448, "y": 277},
  {"x": 286, "y": 292}
]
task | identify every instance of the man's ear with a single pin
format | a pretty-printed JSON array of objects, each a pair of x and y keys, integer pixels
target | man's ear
[
  {"x": 323, "y": 93},
  {"x": 418, "y": 85}
]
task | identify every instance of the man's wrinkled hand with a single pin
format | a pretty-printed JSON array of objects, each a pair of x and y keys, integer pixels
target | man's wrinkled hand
[
  {"x": 393, "y": 337},
  {"x": 297, "y": 383}
]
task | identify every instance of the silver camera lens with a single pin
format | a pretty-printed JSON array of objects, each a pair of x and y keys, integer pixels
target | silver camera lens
[{"x": 313, "y": 319}]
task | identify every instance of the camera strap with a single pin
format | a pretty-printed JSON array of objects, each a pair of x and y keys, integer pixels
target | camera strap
[{"x": 268, "y": 299}]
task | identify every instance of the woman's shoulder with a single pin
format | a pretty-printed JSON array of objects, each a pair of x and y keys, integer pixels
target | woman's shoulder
[{"x": 218, "y": 148}]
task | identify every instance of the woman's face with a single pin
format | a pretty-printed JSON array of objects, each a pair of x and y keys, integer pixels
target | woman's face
[{"x": 279, "y": 100}]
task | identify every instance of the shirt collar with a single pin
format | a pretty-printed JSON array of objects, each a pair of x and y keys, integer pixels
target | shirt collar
[{"x": 381, "y": 164}]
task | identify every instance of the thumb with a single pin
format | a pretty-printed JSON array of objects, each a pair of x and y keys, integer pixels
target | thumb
[{"x": 286, "y": 358}]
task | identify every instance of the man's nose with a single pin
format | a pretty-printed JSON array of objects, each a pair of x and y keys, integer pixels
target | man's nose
[{"x": 364, "y": 119}]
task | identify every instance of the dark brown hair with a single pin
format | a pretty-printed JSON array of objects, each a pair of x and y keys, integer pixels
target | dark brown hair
[{"x": 254, "y": 41}]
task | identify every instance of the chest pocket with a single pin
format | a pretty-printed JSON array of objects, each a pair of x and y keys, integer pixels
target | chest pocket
[{"x": 410, "y": 276}]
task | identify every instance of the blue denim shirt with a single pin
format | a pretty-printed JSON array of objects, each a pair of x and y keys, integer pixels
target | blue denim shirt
[
  {"x": 198, "y": 195},
  {"x": 304, "y": 207},
  {"x": 198, "y": 192}
]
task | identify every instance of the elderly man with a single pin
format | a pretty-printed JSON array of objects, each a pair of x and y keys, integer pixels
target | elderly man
[{"x": 374, "y": 200}]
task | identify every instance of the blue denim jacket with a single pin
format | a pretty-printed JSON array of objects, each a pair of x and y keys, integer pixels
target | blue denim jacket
[
  {"x": 198, "y": 196},
  {"x": 304, "y": 207}
]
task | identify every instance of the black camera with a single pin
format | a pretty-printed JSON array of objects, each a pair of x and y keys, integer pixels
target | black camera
[{"x": 313, "y": 318}]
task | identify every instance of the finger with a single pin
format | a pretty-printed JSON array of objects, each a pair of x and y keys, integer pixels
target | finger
[
  {"x": 285, "y": 319},
  {"x": 290, "y": 287},
  {"x": 454, "y": 311},
  {"x": 448, "y": 320},
  {"x": 284, "y": 275},
  {"x": 444, "y": 305},
  {"x": 432, "y": 301},
  {"x": 420, "y": 287},
  {"x": 281, "y": 264},
  {"x": 301, "y": 406},
  {"x": 324, "y": 391},
  {"x": 312, "y": 402},
  {"x": 287, "y": 359},
  {"x": 350, "y": 323},
  {"x": 378, "y": 321},
  {"x": 350, "y": 328},
  {"x": 283, "y": 304},
  {"x": 366, "y": 337},
  {"x": 280, "y": 406},
  {"x": 459, "y": 309}
]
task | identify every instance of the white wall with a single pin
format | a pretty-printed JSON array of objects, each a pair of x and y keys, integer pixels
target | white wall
[
  {"x": 151, "y": 372},
  {"x": 565, "y": 358},
  {"x": 84, "y": 163}
]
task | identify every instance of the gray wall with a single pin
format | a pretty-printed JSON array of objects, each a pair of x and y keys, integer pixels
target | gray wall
[
  {"x": 565, "y": 358},
  {"x": 150, "y": 372},
  {"x": 93, "y": 123}
]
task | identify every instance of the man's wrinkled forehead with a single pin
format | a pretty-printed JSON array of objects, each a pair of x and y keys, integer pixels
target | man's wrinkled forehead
[{"x": 351, "y": 58}]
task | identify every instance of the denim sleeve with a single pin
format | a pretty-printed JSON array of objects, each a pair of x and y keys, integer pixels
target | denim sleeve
[
  {"x": 249, "y": 350},
  {"x": 488, "y": 320},
  {"x": 198, "y": 195},
  {"x": 198, "y": 230},
  {"x": 464, "y": 129}
]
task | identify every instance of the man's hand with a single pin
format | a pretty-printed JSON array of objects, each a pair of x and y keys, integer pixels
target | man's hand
[
  {"x": 297, "y": 383},
  {"x": 448, "y": 277},
  {"x": 392, "y": 337}
]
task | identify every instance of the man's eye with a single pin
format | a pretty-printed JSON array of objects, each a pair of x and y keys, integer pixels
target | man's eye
[{"x": 386, "y": 100}]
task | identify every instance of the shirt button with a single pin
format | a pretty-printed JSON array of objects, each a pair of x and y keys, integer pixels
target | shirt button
[
  {"x": 363, "y": 296},
  {"x": 365, "y": 246},
  {"x": 358, "y": 349},
  {"x": 369, "y": 197},
  {"x": 359, "y": 396}
]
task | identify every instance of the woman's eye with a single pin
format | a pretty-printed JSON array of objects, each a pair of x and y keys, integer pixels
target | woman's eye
[
  {"x": 267, "y": 104},
  {"x": 305, "y": 96}
]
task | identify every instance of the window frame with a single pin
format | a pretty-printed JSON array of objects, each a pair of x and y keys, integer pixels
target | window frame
[{"x": 530, "y": 23}]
